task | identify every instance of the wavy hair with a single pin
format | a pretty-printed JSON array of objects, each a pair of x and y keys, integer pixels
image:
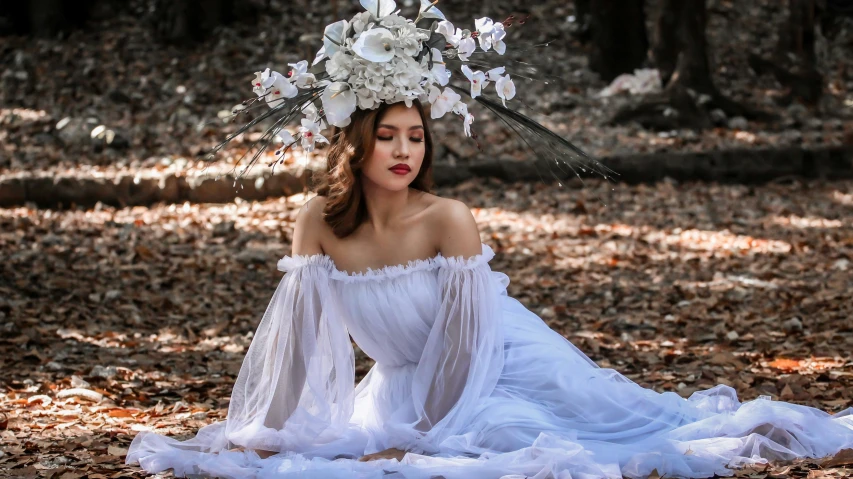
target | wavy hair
[{"x": 350, "y": 147}]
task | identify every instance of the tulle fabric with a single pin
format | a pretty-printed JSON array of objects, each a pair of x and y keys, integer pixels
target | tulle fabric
[{"x": 469, "y": 381}]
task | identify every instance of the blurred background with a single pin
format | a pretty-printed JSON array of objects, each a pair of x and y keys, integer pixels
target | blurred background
[{"x": 132, "y": 280}]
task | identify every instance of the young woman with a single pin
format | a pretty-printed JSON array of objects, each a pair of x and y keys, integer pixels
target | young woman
[{"x": 467, "y": 382}]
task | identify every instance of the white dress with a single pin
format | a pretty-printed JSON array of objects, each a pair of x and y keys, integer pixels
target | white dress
[{"x": 469, "y": 381}]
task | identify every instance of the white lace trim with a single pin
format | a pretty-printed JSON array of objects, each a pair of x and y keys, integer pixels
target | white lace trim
[{"x": 290, "y": 263}]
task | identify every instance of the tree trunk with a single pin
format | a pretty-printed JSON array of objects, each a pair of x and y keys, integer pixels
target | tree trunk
[
  {"x": 666, "y": 46},
  {"x": 582, "y": 19},
  {"x": 794, "y": 60},
  {"x": 619, "y": 40},
  {"x": 692, "y": 70},
  {"x": 681, "y": 52}
]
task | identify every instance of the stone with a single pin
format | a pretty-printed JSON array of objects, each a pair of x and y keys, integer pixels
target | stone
[
  {"x": 738, "y": 123},
  {"x": 793, "y": 325}
]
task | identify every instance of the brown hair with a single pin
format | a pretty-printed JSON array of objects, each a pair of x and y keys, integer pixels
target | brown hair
[{"x": 341, "y": 184}]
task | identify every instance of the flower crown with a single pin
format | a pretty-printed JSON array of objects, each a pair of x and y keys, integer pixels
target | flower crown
[{"x": 380, "y": 56}]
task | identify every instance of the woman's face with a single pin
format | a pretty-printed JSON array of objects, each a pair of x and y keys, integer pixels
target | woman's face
[{"x": 399, "y": 149}]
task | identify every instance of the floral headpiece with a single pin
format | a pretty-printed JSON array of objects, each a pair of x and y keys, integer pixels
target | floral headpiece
[{"x": 380, "y": 56}]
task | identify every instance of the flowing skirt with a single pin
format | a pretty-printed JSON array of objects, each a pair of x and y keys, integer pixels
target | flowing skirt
[{"x": 554, "y": 413}]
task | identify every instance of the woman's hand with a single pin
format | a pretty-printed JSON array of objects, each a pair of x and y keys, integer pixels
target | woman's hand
[{"x": 389, "y": 453}]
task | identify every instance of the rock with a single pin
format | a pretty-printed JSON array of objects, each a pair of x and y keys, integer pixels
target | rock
[
  {"x": 792, "y": 325},
  {"x": 51, "y": 239},
  {"x": 252, "y": 256},
  {"x": 718, "y": 117},
  {"x": 815, "y": 123},
  {"x": 54, "y": 366},
  {"x": 112, "y": 294},
  {"x": 78, "y": 382},
  {"x": 797, "y": 110},
  {"x": 103, "y": 137},
  {"x": 223, "y": 229},
  {"x": 738, "y": 123},
  {"x": 732, "y": 335},
  {"x": 842, "y": 264},
  {"x": 75, "y": 131},
  {"x": 103, "y": 372}
]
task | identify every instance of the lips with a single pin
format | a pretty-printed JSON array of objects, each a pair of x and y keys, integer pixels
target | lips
[{"x": 400, "y": 168}]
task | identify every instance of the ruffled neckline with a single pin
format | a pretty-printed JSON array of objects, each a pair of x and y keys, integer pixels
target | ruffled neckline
[{"x": 289, "y": 263}]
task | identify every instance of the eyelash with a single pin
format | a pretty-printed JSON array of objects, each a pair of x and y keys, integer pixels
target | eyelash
[{"x": 416, "y": 140}]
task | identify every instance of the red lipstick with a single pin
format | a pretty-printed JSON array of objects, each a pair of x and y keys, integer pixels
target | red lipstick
[{"x": 400, "y": 169}]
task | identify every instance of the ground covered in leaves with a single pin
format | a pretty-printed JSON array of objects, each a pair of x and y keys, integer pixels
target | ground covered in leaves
[{"x": 114, "y": 321}]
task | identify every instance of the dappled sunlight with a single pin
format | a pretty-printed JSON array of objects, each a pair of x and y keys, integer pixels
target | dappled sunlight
[
  {"x": 717, "y": 241},
  {"x": 20, "y": 115},
  {"x": 808, "y": 222},
  {"x": 845, "y": 199},
  {"x": 574, "y": 243}
]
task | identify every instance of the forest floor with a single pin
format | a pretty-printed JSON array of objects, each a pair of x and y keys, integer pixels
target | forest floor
[
  {"x": 147, "y": 312},
  {"x": 161, "y": 102}
]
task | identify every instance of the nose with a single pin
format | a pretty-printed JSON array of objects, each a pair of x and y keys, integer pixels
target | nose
[{"x": 401, "y": 150}]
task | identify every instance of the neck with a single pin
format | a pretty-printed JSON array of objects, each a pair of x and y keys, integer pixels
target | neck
[{"x": 384, "y": 206}]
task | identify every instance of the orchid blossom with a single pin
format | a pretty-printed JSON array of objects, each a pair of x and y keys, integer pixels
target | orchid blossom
[
  {"x": 442, "y": 102},
  {"x": 339, "y": 102},
  {"x": 310, "y": 134},
  {"x": 505, "y": 88},
  {"x": 375, "y": 45},
  {"x": 477, "y": 78}
]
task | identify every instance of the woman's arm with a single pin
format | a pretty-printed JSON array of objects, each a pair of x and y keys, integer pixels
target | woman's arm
[
  {"x": 309, "y": 227},
  {"x": 458, "y": 233}
]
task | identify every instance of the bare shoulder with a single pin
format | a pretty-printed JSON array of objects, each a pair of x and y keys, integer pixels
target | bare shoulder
[
  {"x": 309, "y": 230},
  {"x": 456, "y": 230}
]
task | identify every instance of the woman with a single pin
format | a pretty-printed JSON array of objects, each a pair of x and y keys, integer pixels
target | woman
[{"x": 467, "y": 382}]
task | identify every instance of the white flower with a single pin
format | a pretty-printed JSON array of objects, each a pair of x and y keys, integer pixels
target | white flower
[
  {"x": 394, "y": 20},
  {"x": 280, "y": 88},
  {"x": 310, "y": 133},
  {"x": 262, "y": 81},
  {"x": 439, "y": 72},
  {"x": 469, "y": 118},
  {"x": 299, "y": 74},
  {"x": 428, "y": 10},
  {"x": 339, "y": 103},
  {"x": 333, "y": 38},
  {"x": 505, "y": 88},
  {"x": 465, "y": 48},
  {"x": 379, "y": 8},
  {"x": 498, "y": 35},
  {"x": 494, "y": 75},
  {"x": 409, "y": 41},
  {"x": 339, "y": 66},
  {"x": 361, "y": 22},
  {"x": 376, "y": 45},
  {"x": 484, "y": 26},
  {"x": 477, "y": 78},
  {"x": 286, "y": 138},
  {"x": 367, "y": 99},
  {"x": 442, "y": 102},
  {"x": 446, "y": 28},
  {"x": 321, "y": 54},
  {"x": 312, "y": 115},
  {"x": 460, "y": 108}
]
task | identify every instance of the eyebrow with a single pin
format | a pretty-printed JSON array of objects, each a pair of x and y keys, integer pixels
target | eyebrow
[{"x": 392, "y": 127}]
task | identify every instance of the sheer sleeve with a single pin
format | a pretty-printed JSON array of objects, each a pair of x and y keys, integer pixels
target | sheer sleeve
[
  {"x": 296, "y": 384},
  {"x": 463, "y": 357}
]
